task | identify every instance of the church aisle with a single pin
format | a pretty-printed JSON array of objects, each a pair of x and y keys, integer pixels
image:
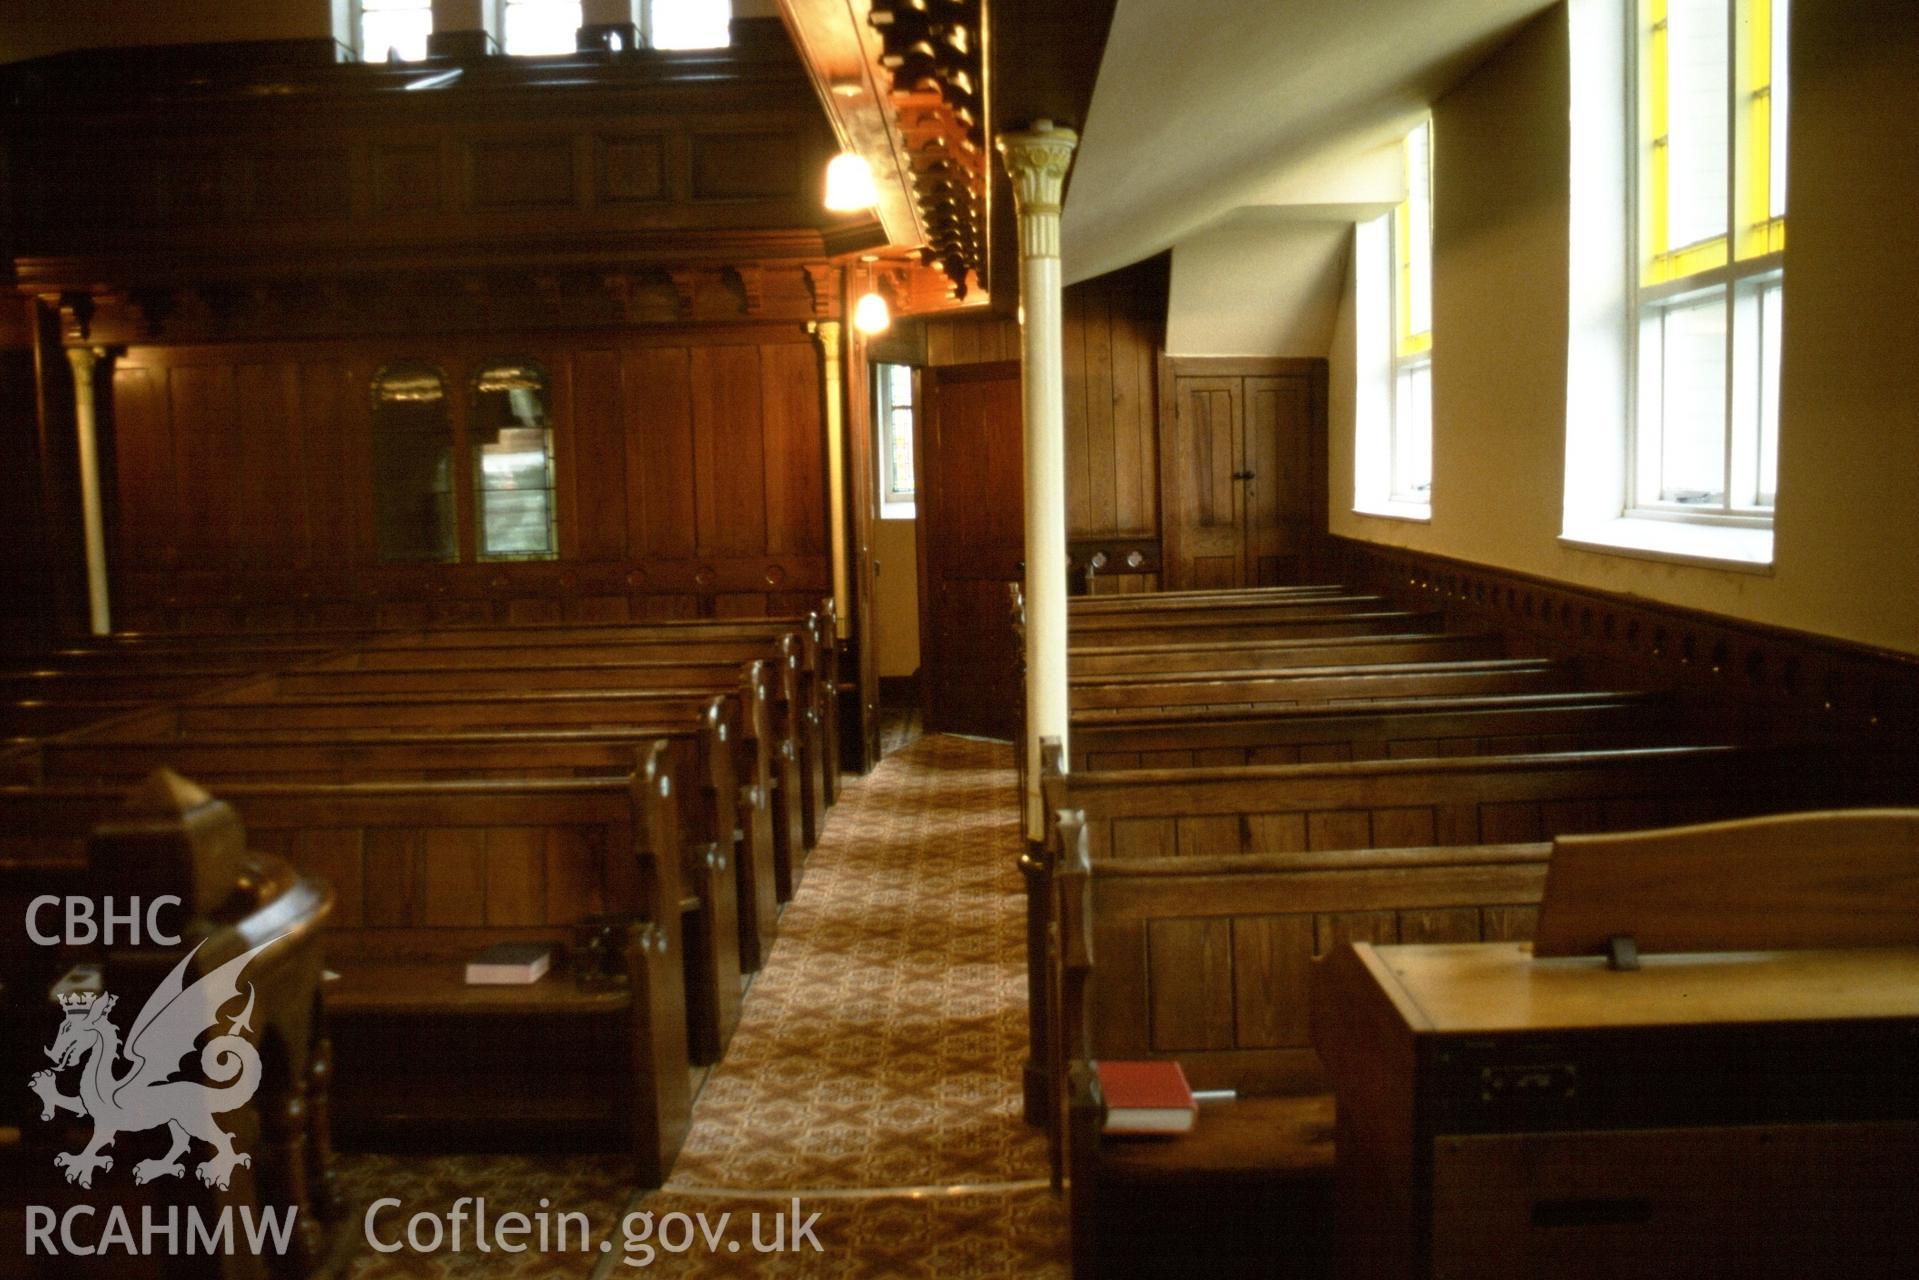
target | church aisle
[{"x": 874, "y": 1077}]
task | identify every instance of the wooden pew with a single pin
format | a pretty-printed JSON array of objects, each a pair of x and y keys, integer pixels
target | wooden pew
[
  {"x": 819, "y": 673},
  {"x": 169, "y": 838},
  {"x": 1147, "y": 600},
  {"x": 1204, "y": 608},
  {"x": 1500, "y": 724},
  {"x": 768, "y": 746},
  {"x": 1206, "y": 960},
  {"x": 85, "y": 682},
  {"x": 1299, "y": 623},
  {"x": 722, "y": 936},
  {"x": 429, "y": 873},
  {"x": 792, "y": 691},
  {"x": 1464, "y": 800},
  {"x": 255, "y": 711},
  {"x": 1107, "y": 696},
  {"x": 1280, "y": 654},
  {"x": 1419, "y": 802}
]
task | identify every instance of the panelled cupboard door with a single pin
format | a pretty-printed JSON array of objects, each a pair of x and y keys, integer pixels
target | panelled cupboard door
[
  {"x": 1278, "y": 419},
  {"x": 1204, "y": 512},
  {"x": 1237, "y": 482},
  {"x": 972, "y": 529}
]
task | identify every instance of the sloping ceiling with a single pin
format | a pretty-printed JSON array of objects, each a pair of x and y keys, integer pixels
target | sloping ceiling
[{"x": 1202, "y": 112}]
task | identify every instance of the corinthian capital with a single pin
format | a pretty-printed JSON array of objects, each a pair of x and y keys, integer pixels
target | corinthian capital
[{"x": 1036, "y": 160}]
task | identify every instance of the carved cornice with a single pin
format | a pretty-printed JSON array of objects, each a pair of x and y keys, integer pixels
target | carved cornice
[
  {"x": 822, "y": 282},
  {"x": 429, "y": 301}
]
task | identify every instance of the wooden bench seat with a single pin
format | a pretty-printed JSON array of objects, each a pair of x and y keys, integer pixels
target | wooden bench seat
[
  {"x": 1141, "y": 601},
  {"x": 1352, "y": 685},
  {"x": 1202, "y": 609},
  {"x": 256, "y": 710},
  {"x": 426, "y": 874},
  {"x": 726, "y": 929},
  {"x": 1281, "y": 654},
  {"x": 1503, "y": 724},
  {"x": 1249, "y": 1189},
  {"x": 1281, "y": 811},
  {"x": 1465, "y": 800},
  {"x": 819, "y": 670},
  {"x": 1248, "y": 1141},
  {"x": 770, "y": 755},
  {"x": 1357, "y": 620},
  {"x": 1207, "y": 961},
  {"x": 167, "y": 837}
]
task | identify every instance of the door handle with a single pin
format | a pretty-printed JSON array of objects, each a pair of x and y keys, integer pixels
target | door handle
[{"x": 1242, "y": 475}]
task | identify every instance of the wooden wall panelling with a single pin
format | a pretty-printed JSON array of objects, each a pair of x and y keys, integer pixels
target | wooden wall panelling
[
  {"x": 1770, "y": 678},
  {"x": 795, "y": 454},
  {"x": 268, "y": 440},
  {"x": 1073, "y": 411},
  {"x": 690, "y": 481},
  {"x": 334, "y": 157},
  {"x": 658, "y": 400},
  {"x": 145, "y": 504},
  {"x": 25, "y": 598},
  {"x": 729, "y": 482},
  {"x": 330, "y": 412},
  {"x": 860, "y": 751},
  {"x": 199, "y": 400},
  {"x": 1135, "y": 360},
  {"x": 1111, "y": 335},
  {"x": 590, "y": 458}
]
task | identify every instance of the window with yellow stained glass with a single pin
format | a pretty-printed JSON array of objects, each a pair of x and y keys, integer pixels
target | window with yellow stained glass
[{"x": 1709, "y": 268}]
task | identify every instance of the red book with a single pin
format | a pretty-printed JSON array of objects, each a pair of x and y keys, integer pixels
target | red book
[{"x": 1146, "y": 1098}]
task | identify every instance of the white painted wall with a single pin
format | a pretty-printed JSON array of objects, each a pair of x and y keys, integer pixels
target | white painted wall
[
  {"x": 1199, "y": 110},
  {"x": 1257, "y": 290},
  {"x": 1848, "y": 519},
  {"x": 896, "y": 597}
]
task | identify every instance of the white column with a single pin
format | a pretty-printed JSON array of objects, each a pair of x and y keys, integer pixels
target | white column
[
  {"x": 828, "y": 333},
  {"x": 83, "y": 360},
  {"x": 1037, "y": 160}
]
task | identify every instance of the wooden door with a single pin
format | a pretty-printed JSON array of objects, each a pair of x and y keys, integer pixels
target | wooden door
[
  {"x": 1205, "y": 515},
  {"x": 1278, "y": 419},
  {"x": 1238, "y": 450},
  {"x": 972, "y": 513}
]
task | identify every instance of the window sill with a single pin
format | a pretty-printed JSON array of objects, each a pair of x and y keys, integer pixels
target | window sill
[
  {"x": 1712, "y": 546},
  {"x": 899, "y": 510},
  {"x": 1392, "y": 509}
]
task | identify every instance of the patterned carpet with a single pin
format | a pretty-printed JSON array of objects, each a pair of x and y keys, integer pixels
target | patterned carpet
[{"x": 874, "y": 1078}]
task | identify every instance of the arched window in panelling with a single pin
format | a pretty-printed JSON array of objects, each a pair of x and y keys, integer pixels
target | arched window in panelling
[
  {"x": 511, "y": 439},
  {"x": 414, "y": 517}
]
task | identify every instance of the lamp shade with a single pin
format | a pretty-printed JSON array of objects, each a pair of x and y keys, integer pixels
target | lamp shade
[
  {"x": 871, "y": 315},
  {"x": 849, "y": 184}
]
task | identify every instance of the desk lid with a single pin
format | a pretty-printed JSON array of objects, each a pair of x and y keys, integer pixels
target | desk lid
[{"x": 1468, "y": 988}]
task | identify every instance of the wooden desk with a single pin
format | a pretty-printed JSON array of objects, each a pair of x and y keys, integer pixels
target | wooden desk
[{"x": 1740, "y": 1114}]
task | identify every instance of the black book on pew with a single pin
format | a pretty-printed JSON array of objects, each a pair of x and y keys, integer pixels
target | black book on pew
[{"x": 510, "y": 964}]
